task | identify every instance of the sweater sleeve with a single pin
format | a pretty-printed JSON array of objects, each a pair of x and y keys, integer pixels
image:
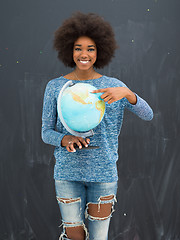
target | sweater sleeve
[
  {"x": 49, "y": 115},
  {"x": 141, "y": 109}
]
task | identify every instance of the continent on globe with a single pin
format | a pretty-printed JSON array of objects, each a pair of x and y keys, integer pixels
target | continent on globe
[{"x": 81, "y": 109}]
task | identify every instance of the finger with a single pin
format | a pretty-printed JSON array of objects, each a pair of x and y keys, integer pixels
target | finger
[
  {"x": 79, "y": 144},
  {"x": 99, "y": 90},
  {"x": 83, "y": 142},
  {"x": 104, "y": 95},
  {"x": 71, "y": 147},
  {"x": 87, "y": 140},
  {"x": 111, "y": 101},
  {"x": 107, "y": 98},
  {"x": 68, "y": 149}
]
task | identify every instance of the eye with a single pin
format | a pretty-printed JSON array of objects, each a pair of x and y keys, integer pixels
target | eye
[
  {"x": 91, "y": 49},
  {"x": 77, "y": 49}
]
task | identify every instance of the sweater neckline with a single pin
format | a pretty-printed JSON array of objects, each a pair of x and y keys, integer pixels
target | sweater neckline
[{"x": 95, "y": 79}]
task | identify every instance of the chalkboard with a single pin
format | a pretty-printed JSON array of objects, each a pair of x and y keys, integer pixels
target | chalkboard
[{"x": 147, "y": 60}]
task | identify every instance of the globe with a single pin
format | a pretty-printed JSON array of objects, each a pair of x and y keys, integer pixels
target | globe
[{"x": 81, "y": 109}]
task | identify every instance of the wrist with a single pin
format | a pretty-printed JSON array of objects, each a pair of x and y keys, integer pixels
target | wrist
[
  {"x": 131, "y": 97},
  {"x": 64, "y": 141}
]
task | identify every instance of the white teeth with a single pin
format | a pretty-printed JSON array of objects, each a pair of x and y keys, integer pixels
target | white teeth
[{"x": 84, "y": 62}]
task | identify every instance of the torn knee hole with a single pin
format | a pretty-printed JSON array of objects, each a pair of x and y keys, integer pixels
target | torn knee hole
[
  {"x": 101, "y": 210},
  {"x": 68, "y": 200},
  {"x": 76, "y": 228}
]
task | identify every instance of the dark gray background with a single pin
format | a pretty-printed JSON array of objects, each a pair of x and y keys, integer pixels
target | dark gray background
[{"x": 148, "y": 61}]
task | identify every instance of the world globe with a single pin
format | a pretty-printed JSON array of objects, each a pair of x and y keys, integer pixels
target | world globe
[{"x": 81, "y": 109}]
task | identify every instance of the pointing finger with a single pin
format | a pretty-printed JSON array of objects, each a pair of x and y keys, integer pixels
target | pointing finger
[{"x": 99, "y": 90}]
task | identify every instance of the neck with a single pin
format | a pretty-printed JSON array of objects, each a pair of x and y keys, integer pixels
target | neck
[{"x": 84, "y": 75}]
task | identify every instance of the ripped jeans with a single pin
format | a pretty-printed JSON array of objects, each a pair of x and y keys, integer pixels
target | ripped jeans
[{"x": 74, "y": 213}]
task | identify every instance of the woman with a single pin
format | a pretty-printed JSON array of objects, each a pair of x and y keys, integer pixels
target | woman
[{"x": 86, "y": 181}]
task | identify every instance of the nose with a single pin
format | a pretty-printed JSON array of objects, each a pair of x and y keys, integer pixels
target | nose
[{"x": 84, "y": 54}]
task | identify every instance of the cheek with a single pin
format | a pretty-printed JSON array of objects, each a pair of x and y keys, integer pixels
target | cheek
[
  {"x": 94, "y": 56},
  {"x": 74, "y": 56}
]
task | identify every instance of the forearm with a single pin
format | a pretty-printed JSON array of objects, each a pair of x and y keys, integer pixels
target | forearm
[
  {"x": 50, "y": 135},
  {"x": 141, "y": 109}
]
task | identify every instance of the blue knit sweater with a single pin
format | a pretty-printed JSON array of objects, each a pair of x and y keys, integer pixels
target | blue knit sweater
[{"x": 91, "y": 165}]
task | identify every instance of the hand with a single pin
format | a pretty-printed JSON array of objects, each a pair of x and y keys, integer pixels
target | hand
[
  {"x": 111, "y": 95},
  {"x": 69, "y": 141}
]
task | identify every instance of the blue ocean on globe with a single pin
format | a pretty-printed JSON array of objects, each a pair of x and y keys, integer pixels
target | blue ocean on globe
[{"x": 81, "y": 109}]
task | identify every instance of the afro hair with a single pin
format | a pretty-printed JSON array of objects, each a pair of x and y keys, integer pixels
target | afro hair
[{"x": 92, "y": 26}]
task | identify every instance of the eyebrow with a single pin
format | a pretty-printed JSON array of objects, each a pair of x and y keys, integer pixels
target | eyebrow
[{"x": 79, "y": 45}]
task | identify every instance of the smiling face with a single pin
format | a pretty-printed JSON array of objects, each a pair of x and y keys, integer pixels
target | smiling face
[{"x": 84, "y": 53}]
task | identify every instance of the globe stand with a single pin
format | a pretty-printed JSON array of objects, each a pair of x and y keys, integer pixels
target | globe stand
[
  {"x": 85, "y": 148},
  {"x": 75, "y": 133}
]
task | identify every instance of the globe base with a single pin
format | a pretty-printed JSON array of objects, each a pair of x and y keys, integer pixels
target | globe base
[{"x": 85, "y": 148}]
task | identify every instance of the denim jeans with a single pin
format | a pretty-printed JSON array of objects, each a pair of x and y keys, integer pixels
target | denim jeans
[{"x": 74, "y": 213}]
